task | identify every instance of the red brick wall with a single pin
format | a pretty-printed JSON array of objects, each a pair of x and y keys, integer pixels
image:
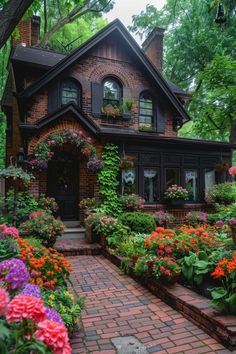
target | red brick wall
[{"x": 28, "y": 32}]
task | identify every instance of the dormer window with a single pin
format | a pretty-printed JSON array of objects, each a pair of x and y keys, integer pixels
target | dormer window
[
  {"x": 112, "y": 92},
  {"x": 70, "y": 92},
  {"x": 145, "y": 110}
]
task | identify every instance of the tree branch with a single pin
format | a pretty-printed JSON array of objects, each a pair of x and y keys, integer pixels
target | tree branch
[
  {"x": 10, "y": 15},
  {"x": 73, "y": 15}
]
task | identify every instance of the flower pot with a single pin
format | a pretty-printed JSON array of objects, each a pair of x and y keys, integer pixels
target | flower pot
[{"x": 176, "y": 203}]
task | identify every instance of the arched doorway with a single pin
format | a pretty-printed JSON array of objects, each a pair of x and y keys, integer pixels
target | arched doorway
[{"x": 63, "y": 184}]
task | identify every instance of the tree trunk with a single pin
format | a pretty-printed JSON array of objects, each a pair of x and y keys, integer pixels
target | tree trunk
[{"x": 10, "y": 15}]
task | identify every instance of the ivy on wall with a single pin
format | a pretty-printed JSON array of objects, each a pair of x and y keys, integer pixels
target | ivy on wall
[{"x": 108, "y": 181}]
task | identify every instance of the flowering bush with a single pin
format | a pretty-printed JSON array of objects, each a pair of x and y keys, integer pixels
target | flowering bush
[
  {"x": 165, "y": 268},
  {"x": 224, "y": 297},
  {"x": 44, "y": 227},
  {"x": 162, "y": 218},
  {"x": 47, "y": 267},
  {"x": 132, "y": 202},
  {"x": 48, "y": 203},
  {"x": 223, "y": 193},
  {"x": 8, "y": 244},
  {"x": 176, "y": 192},
  {"x": 87, "y": 203},
  {"x": 197, "y": 217},
  {"x": 8, "y": 231},
  {"x": 13, "y": 274}
]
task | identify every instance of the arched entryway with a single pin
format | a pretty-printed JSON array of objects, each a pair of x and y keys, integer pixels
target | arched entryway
[{"x": 63, "y": 184}]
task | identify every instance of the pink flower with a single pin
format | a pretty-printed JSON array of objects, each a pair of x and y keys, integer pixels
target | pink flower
[
  {"x": 54, "y": 335},
  {"x": 4, "y": 300},
  {"x": 167, "y": 272},
  {"x": 232, "y": 171},
  {"x": 25, "y": 307},
  {"x": 10, "y": 231},
  {"x": 162, "y": 268}
]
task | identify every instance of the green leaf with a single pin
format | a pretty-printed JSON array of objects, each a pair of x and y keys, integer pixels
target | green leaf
[{"x": 218, "y": 293}]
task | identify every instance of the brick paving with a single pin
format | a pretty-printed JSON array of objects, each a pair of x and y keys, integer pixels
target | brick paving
[{"x": 118, "y": 306}]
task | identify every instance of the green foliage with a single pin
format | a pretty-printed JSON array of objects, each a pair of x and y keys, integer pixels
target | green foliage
[
  {"x": 138, "y": 222},
  {"x": 34, "y": 242},
  {"x": 44, "y": 227},
  {"x": 195, "y": 266},
  {"x": 64, "y": 303},
  {"x": 25, "y": 205},
  {"x": 8, "y": 248},
  {"x": 108, "y": 180},
  {"x": 141, "y": 267},
  {"x": 222, "y": 193},
  {"x": 16, "y": 173}
]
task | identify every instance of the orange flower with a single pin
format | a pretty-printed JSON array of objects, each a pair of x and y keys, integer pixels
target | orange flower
[{"x": 218, "y": 272}]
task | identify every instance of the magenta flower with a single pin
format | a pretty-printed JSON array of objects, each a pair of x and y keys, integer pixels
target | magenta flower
[{"x": 14, "y": 273}]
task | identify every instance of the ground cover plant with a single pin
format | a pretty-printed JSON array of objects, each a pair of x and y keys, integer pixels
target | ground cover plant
[{"x": 37, "y": 312}]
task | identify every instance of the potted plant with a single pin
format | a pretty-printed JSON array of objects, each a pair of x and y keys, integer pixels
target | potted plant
[
  {"x": 87, "y": 205},
  {"x": 163, "y": 218},
  {"x": 176, "y": 195},
  {"x": 111, "y": 111},
  {"x": 132, "y": 202}
]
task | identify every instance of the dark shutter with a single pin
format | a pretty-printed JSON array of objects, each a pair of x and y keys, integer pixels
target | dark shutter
[
  {"x": 161, "y": 119},
  {"x": 126, "y": 97},
  {"x": 53, "y": 97},
  {"x": 96, "y": 98}
]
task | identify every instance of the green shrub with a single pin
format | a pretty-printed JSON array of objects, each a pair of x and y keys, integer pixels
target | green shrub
[
  {"x": 8, "y": 248},
  {"x": 223, "y": 193},
  {"x": 138, "y": 222}
]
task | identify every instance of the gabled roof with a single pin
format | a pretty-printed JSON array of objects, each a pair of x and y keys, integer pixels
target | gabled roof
[
  {"x": 71, "y": 108},
  {"x": 115, "y": 26}
]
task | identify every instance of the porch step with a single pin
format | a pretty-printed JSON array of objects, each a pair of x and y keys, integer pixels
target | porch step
[
  {"x": 75, "y": 247},
  {"x": 77, "y": 233},
  {"x": 73, "y": 223}
]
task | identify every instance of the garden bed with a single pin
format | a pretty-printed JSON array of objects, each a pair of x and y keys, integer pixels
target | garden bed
[{"x": 190, "y": 304}]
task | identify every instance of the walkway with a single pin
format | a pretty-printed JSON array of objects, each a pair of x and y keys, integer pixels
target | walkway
[{"x": 117, "y": 306}]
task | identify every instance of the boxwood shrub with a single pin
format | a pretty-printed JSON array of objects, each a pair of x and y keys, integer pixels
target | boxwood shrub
[{"x": 138, "y": 222}]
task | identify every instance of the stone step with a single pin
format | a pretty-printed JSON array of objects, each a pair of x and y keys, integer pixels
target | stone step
[
  {"x": 76, "y": 247},
  {"x": 74, "y": 233},
  {"x": 73, "y": 223}
]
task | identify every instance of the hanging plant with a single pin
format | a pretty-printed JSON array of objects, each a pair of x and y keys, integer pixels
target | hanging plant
[
  {"x": 127, "y": 162},
  {"x": 44, "y": 150}
]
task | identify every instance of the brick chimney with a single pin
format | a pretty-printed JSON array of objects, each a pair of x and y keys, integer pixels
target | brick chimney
[
  {"x": 153, "y": 47},
  {"x": 29, "y": 31}
]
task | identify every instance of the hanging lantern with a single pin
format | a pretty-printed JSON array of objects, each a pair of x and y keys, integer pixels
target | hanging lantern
[{"x": 220, "y": 15}]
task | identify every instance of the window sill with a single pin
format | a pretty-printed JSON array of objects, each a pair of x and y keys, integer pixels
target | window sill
[
  {"x": 152, "y": 130},
  {"x": 124, "y": 116}
]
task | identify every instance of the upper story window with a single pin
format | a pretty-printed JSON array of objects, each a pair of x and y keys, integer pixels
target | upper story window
[
  {"x": 70, "y": 92},
  {"x": 146, "y": 110},
  {"x": 112, "y": 92}
]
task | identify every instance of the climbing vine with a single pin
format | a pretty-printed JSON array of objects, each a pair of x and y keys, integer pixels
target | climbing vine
[{"x": 108, "y": 180}]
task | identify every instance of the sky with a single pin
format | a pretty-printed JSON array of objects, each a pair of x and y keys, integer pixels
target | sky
[{"x": 125, "y": 9}]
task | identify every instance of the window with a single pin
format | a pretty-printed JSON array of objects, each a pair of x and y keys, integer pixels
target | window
[
  {"x": 145, "y": 111},
  {"x": 70, "y": 92},
  {"x": 171, "y": 177},
  {"x": 111, "y": 92},
  {"x": 128, "y": 181},
  {"x": 151, "y": 181},
  {"x": 210, "y": 178},
  {"x": 191, "y": 183}
]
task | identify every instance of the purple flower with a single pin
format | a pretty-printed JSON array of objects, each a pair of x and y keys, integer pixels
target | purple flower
[
  {"x": 53, "y": 315},
  {"x": 232, "y": 222},
  {"x": 14, "y": 272},
  {"x": 95, "y": 165},
  {"x": 31, "y": 290},
  {"x": 219, "y": 223}
]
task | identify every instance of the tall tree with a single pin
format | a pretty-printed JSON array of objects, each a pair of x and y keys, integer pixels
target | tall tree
[
  {"x": 192, "y": 41},
  {"x": 10, "y": 14}
]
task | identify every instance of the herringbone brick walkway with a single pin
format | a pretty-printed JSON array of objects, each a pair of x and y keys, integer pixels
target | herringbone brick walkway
[{"x": 118, "y": 306}]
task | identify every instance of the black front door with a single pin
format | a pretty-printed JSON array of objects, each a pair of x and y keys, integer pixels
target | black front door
[{"x": 63, "y": 181}]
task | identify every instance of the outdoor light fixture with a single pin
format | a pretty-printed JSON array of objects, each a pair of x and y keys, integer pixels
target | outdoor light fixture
[
  {"x": 20, "y": 156},
  {"x": 220, "y": 16},
  {"x": 177, "y": 122}
]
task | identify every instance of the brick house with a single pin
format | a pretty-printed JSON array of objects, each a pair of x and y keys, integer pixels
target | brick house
[{"x": 48, "y": 92}]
